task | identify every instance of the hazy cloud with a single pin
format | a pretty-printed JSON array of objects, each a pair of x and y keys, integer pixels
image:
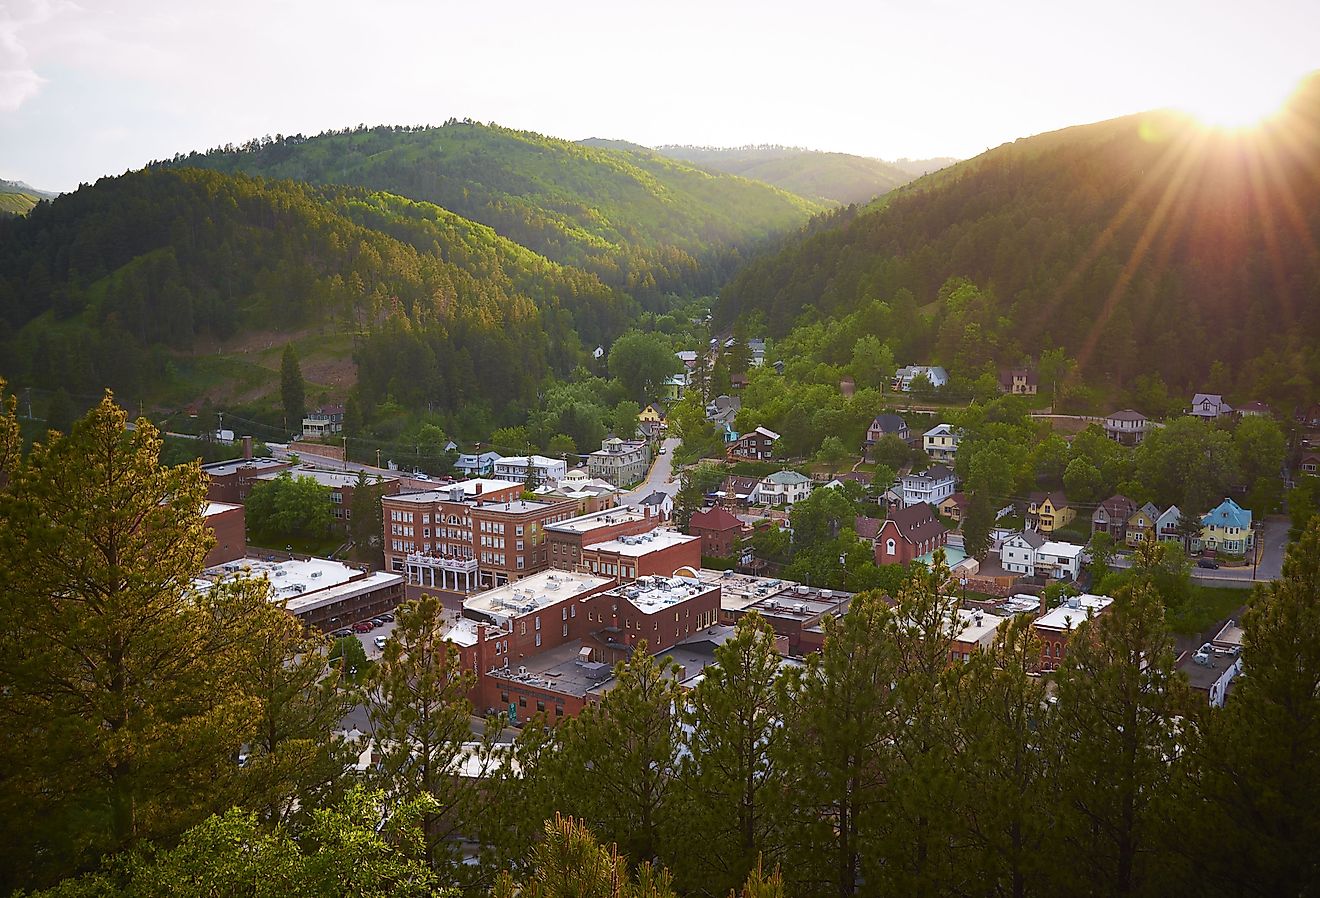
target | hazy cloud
[{"x": 19, "y": 80}]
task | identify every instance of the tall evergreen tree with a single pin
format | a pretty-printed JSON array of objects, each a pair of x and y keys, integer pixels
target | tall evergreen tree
[
  {"x": 293, "y": 392},
  {"x": 1111, "y": 749},
  {"x": 119, "y": 675},
  {"x": 839, "y": 719},
  {"x": 1254, "y": 781},
  {"x": 618, "y": 759},
  {"x": 727, "y": 773}
]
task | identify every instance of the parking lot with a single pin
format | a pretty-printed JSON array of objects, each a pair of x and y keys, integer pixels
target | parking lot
[{"x": 368, "y": 639}]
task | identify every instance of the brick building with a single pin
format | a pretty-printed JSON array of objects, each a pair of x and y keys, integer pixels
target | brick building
[
  {"x": 720, "y": 531},
  {"x": 656, "y": 552},
  {"x": 566, "y": 539},
  {"x": 319, "y": 592},
  {"x": 909, "y": 533},
  {"x": 228, "y": 524},
  {"x": 231, "y": 481},
  {"x": 543, "y": 645},
  {"x": 795, "y": 611},
  {"x": 1055, "y": 627},
  {"x": 469, "y": 536}
]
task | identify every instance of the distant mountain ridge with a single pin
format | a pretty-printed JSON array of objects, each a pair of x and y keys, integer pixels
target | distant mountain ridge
[
  {"x": 638, "y": 221},
  {"x": 18, "y": 197},
  {"x": 1146, "y": 245}
]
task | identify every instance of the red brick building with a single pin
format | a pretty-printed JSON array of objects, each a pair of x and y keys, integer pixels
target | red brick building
[
  {"x": 909, "y": 533},
  {"x": 469, "y": 536},
  {"x": 657, "y": 552},
  {"x": 228, "y": 524},
  {"x": 720, "y": 531},
  {"x": 231, "y": 481},
  {"x": 1055, "y": 627},
  {"x": 566, "y": 539},
  {"x": 542, "y": 645}
]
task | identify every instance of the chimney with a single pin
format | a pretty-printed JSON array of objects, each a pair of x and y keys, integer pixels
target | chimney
[
  {"x": 247, "y": 447},
  {"x": 478, "y": 488}
]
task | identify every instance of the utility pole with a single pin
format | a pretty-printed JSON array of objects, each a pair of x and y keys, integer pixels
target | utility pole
[{"x": 378, "y": 458}]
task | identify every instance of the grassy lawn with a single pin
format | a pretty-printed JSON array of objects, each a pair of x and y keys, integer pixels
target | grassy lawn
[{"x": 1207, "y": 605}]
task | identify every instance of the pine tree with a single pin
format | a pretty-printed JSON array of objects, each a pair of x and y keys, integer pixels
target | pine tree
[
  {"x": 728, "y": 770},
  {"x": 618, "y": 759},
  {"x": 1110, "y": 749},
  {"x": 293, "y": 392},
  {"x": 119, "y": 675},
  {"x": 11, "y": 441},
  {"x": 977, "y": 524},
  {"x": 421, "y": 720},
  {"x": 1255, "y": 771},
  {"x": 836, "y": 749}
]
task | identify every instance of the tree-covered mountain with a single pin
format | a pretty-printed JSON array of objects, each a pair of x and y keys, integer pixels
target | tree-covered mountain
[
  {"x": 638, "y": 221},
  {"x": 132, "y": 280},
  {"x": 833, "y": 177},
  {"x": 1146, "y": 245}
]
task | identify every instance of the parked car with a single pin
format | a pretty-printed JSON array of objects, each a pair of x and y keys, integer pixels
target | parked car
[
  {"x": 378, "y": 621},
  {"x": 381, "y": 640},
  {"x": 342, "y": 632},
  {"x": 387, "y": 617},
  {"x": 363, "y": 626},
  {"x": 1208, "y": 563}
]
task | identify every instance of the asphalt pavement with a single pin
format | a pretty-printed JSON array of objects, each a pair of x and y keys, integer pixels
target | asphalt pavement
[
  {"x": 1271, "y": 545},
  {"x": 660, "y": 477}
]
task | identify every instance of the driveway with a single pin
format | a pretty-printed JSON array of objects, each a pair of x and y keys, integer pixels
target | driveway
[{"x": 660, "y": 477}]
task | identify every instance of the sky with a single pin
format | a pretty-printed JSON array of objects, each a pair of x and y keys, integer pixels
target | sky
[{"x": 93, "y": 88}]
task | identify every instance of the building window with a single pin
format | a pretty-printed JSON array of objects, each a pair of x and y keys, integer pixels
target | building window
[
  {"x": 504, "y": 697},
  {"x": 538, "y": 638},
  {"x": 540, "y": 706},
  {"x": 559, "y": 710}
]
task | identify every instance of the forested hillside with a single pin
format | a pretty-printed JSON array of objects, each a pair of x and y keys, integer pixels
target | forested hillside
[
  {"x": 639, "y": 221},
  {"x": 16, "y": 198},
  {"x": 115, "y": 283},
  {"x": 1145, "y": 245},
  {"x": 836, "y": 177}
]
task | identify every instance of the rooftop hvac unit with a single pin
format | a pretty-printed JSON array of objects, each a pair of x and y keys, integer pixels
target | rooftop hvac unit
[
  {"x": 800, "y": 608},
  {"x": 316, "y": 574},
  {"x": 280, "y": 573},
  {"x": 1202, "y": 659},
  {"x": 826, "y": 594},
  {"x": 803, "y": 589},
  {"x": 522, "y": 670},
  {"x": 728, "y": 574},
  {"x": 771, "y": 604}
]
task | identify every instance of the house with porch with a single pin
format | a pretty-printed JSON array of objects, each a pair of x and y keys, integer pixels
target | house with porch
[
  {"x": 1209, "y": 406},
  {"x": 1141, "y": 525},
  {"x": 1227, "y": 528},
  {"x": 782, "y": 488},
  {"x": 1018, "y": 381},
  {"x": 932, "y": 486},
  {"x": 941, "y": 442},
  {"x": 1048, "y": 512},
  {"x": 759, "y": 445},
  {"x": 1111, "y": 516},
  {"x": 1127, "y": 427}
]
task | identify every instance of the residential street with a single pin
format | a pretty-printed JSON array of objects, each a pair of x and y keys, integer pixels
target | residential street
[
  {"x": 1272, "y": 543},
  {"x": 662, "y": 469}
]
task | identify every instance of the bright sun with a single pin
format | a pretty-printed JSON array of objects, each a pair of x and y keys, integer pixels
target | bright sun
[{"x": 1239, "y": 103}]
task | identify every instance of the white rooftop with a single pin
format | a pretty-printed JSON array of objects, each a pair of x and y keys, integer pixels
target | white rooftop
[
  {"x": 596, "y": 519},
  {"x": 325, "y": 477},
  {"x": 1073, "y": 611},
  {"x": 537, "y": 592},
  {"x": 650, "y": 594},
  {"x": 447, "y": 492},
  {"x": 370, "y": 583},
  {"x": 223, "y": 468},
  {"x": 737, "y": 591},
  {"x": 218, "y": 508},
  {"x": 644, "y": 543},
  {"x": 1062, "y": 550},
  {"x": 978, "y": 627},
  {"x": 303, "y": 584}
]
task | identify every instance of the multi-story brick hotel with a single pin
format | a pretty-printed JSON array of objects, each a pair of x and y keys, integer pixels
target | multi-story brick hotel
[{"x": 470, "y": 536}]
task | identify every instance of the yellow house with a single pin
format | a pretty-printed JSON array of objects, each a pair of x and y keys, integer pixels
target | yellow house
[
  {"x": 1050, "y": 511},
  {"x": 1141, "y": 526},
  {"x": 652, "y": 414}
]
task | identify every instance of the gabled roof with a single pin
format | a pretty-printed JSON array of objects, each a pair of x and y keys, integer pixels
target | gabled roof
[
  {"x": 484, "y": 458},
  {"x": 1228, "y": 514},
  {"x": 766, "y": 432},
  {"x": 1056, "y": 498},
  {"x": 656, "y": 498},
  {"x": 934, "y": 472},
  {"x": 959, "y": 498},
  {"x": 1215, "y": 400},
  {"x": 888, "y": 423},
  {"x": 1031, "y": 537},
  {"x": 1006, "y": 375},
  {"x": 867, "y": 528},
  {"x": 715, "y": 518},
  {"x": 1172, "y": 513},
  {"x": 1149, "y": 510},
  {"x": 941, "y": 430},
  {"x": 1255, "y": 407},
  {"x": 916, "y": 522},
  {"x": 737, "y": 483},
  {"x": 1117, "y": 507},
  {"x": 1126, "y": 414},
  {"x": 787, "y": 478}
]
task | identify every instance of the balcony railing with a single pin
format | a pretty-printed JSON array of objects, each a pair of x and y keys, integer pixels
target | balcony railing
[{"x": 443, "y": 562}]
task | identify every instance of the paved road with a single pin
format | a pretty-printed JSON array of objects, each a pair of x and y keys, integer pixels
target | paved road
[
  {"x": 1272, "y": 541},
  {"x": 660, "y": 477}
]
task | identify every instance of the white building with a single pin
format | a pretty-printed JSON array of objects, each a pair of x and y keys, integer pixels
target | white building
[
  {"x": 514, "y": 467},
  {"x": 933, "y": 485},
  {"x": 1059, "y": 561},
  {"x": 904, "y": 376},
  {"x": 1017, "y": 553},
  {"x": 1031, "y": 554},
  {"x": 781, "y": 488}
]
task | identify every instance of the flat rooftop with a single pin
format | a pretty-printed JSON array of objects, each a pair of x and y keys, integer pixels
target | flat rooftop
[
  {"x": 802, "y": 602},
  {"x": 539, "y": 591},
  {"x": 644, "y": 543},
  {"x": 463, "y": 632},
  {"x": 651, "y": 594},
  {"x": 561, "y": 669},
  {"x": 737, "y": 591},
  {"x": 303, "y": 584},
  {"x": 1069, "y": 616},
  {"x": 213, "y": 508},
  {"x": 977, "y": 627},
  {"x": 1063, "y": 550},
  {"x": 1203, "y": 676},
  {"x": 225, "y": 468},
  {"x": 306, "y": 601},
  {"x": 596, "y": 520},
  {"x": 326, "y": 477},
  {"x": 447, "y": 492}
]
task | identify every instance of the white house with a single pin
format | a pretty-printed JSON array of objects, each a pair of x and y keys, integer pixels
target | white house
[
  {"x": 941, "y": 442},
  {"x": 514, "y": 467},
  {"x": 1059, "y": 561},
  {"x": 781, "y": 488},
  {"x": 933, "y": 485},
  {"x": 1017, "y": 554},
  {"x": 474, "y": 465},
  {"x": 904, "y": 376},
  {"x": 1209, "y": 406}
]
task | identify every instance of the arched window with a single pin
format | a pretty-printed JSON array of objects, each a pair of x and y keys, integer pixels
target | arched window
[{"x": 889, "y": 547}]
